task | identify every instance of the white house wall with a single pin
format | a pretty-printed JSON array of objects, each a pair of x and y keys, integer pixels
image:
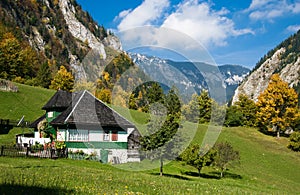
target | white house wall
[{"x": 94, "y": 135}]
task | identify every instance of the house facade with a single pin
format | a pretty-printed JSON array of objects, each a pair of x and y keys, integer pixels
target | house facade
[{"x": 85, "y": 123}]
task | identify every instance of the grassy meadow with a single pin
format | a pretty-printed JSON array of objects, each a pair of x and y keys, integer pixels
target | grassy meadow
[
  {"x": 28, "y": 101},
  {"x": 266, "y": 167}
]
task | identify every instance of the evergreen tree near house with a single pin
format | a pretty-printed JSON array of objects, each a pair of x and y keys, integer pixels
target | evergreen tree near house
[
  {"x": 162, "y": 141},
  {"x": 277, "y": 106}
]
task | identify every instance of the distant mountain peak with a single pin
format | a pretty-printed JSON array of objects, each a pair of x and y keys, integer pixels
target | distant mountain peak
[{"x": 186, "y": 76}]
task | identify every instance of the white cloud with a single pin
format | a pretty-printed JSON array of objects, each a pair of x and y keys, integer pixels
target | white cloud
[
  {"x": 271, "y": 9},
  {"x": 145, "y": 14},
  {"x": 293, "y": 28},
  {"x": 202, "y": 23},
  {"x": 122, "y": 14},
  {"x": 258, "y": 3},
  {"x": 198, "y": 20},
  {"x": 296, "y": 8}
]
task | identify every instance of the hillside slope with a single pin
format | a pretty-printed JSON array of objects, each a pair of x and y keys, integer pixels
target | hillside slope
[
  {"x": 59, "y": 31},
  {"x": 267, "y": 166},
  {"x": 28, "y": 101},
  {"x": 284, "y": 60}
]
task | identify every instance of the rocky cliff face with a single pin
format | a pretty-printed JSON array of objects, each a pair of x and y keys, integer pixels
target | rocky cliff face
[
  {"x": 283, "y": 60},
  {"x": 60, "y": 30}
]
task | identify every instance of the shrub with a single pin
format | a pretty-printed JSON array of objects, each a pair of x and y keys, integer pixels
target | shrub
[{"x": 294, "y": 143}]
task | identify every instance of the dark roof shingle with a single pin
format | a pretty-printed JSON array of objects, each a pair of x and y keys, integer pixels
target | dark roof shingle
[
  {"x": 87, "y": 110},
  {"x": 60, "y": 100}
]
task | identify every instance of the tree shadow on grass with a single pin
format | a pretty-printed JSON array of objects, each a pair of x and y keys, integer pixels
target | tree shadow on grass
[
  {"x": 202, "y": 175},
  {"x": 213, "y": 175},
  {"x": 33, "y": 167},
  {"x": 173, "y": 176},
  {"x": 19, "y": 189},
  {"x": 227, "y": 175}
]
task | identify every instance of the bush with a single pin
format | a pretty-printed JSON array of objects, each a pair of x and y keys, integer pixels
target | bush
[{"x": 295, "y": 141}]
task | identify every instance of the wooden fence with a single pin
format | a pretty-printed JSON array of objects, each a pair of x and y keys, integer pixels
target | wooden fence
[{"x": 13, "y": 151}]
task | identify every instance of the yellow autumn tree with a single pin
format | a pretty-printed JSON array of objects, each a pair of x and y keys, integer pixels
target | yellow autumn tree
[
  {"x": 63, "y": 80},
  {"x": 277, "y": 106}
]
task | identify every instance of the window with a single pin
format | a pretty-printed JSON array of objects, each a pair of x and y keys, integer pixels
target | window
[
  {"x": 78, "y": 135},
  {"x": 50, "y": 114},
  {"x": 106, "y": 136},
  {"x": 114, "y": 136}
]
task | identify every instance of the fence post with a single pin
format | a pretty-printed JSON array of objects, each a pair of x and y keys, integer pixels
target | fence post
[
  {"x": 66, "y": 152},
  {"x": 27, "y": 151},
  {"x": 2, "y": 150}
]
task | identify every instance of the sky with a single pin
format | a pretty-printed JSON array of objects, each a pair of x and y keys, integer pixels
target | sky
[{"x": 229, "y": 31}]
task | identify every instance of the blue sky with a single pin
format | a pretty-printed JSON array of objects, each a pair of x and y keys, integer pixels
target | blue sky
[{"x": 231, "y": 31}]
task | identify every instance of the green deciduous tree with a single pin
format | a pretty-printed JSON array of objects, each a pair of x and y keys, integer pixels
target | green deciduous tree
[
  {"x": 198, "y": 157},
  {"x": 234, "y": 117},
  {"x": 63, "y": 80},
  {"x": 277, "y": 106},
  {"x": 226, "y": 156}
]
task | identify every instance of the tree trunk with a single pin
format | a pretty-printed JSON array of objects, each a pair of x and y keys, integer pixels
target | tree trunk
[
  {"x": 221, "y": 173},
  {"x": 199, "y": 172},
  {"x": 161, "y": 166},
  {"x": 278, "y": 134}
]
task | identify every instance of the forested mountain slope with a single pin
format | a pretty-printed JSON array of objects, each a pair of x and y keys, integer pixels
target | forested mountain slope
[{"x": 55, "y": 33}]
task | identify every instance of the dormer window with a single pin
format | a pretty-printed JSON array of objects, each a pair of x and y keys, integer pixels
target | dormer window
[{"x": 50, "y": 114}]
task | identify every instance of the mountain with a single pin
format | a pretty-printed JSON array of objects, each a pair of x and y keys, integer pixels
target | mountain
[
  {"x": 58, "y": 31},
  {"x": 38, "y": 36},
  {"x": 190, "y": 77},
  {"x": 284, "y": 60}
]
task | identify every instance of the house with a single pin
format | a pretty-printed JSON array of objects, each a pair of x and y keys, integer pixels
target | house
[{"x": 85, "y": 123}]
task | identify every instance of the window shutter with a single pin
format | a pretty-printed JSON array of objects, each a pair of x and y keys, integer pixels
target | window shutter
[{"x": 114, "y": 136}]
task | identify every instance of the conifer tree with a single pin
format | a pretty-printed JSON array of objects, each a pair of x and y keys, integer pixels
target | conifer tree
[{"x": 163, "y": 143}]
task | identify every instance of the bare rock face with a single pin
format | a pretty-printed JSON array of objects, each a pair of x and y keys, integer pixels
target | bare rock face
[
  {"x": 259, "y": 79},
  {"x": 78, "y": 30}
]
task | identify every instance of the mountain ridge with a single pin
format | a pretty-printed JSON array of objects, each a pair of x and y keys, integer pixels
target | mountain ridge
[
  {"x": 187, "y": 75},
  {"x": 283, "y": 60}
]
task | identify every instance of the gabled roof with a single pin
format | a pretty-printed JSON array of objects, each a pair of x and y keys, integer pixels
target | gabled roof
[
  {"x": 87, "y": 110},
  {"x": 60, "y": 100},
  {"x": 36, "y": 122}
]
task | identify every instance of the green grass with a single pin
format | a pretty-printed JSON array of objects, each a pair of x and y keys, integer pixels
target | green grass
[
  {"x": 28, "y": 102},
  {"x": 267, "y": 166}
]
